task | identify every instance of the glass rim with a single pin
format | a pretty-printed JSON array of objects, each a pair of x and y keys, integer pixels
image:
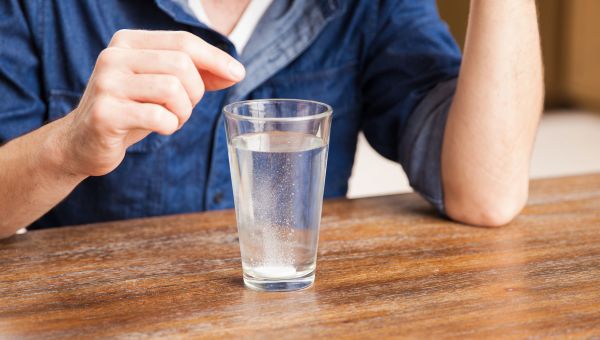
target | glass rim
[{"x": 227, "y": 110}]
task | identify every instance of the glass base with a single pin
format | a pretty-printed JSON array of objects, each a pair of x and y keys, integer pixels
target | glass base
[{"x": 279, "y": 285}]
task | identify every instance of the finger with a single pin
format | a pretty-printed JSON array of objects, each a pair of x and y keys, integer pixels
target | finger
[
  {"x": 207, "y": 58},
  {"x": 144, "y": 117},
  {"x": 214, "y": 83},
  {"x": 174, "y": 63},
  {"x": 165, "y": 90}
]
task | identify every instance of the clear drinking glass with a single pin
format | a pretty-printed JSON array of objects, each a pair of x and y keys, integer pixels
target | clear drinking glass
[{"x": 278, "y": 156}]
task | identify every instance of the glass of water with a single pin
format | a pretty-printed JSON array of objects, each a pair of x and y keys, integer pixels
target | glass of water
[{"x": 278, "y": 156}]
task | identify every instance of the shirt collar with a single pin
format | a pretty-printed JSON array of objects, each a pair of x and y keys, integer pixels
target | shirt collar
[
  {"x": 287, "y": 28},
  {"x": 180, "y": 11}
]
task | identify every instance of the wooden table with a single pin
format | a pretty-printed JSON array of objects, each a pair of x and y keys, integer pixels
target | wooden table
[{"x": 387, "y": 266}]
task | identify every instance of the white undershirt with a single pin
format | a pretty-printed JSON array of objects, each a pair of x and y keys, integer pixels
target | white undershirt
[{"x": 242, "y": 31}]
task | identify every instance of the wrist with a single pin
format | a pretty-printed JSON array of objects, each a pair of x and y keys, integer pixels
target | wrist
[{"x": 56, "y": 154}]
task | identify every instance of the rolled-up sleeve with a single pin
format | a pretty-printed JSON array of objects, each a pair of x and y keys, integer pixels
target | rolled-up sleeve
[
  {"x": 409, "y": 78},
  {"x": 21, "y": 106},
  {"x": 421, "y": 143}
]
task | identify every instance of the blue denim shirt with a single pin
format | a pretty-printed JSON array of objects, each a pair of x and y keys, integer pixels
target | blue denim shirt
[{"x": 387, "y": 68}]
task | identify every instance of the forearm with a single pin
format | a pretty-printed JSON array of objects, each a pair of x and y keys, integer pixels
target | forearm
[
  {"x": 32, "y": 180},
  {"x": 492, "y": 122}
]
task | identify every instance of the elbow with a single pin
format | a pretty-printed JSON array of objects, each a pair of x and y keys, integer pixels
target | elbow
[
  {"x": 5, "y": 234},
  {"x": 7, "y": 231},
  {"x": 495, "y": 211}
]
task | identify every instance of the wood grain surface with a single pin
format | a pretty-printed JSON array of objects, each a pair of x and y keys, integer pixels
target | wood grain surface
[{"x": 387, "y": 267}]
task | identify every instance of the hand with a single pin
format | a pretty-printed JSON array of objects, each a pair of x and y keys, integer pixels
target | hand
[{"x": 143, "y": 82}]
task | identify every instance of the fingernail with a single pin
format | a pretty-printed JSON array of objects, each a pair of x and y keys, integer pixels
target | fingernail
[{"x": 237, "y": 70}]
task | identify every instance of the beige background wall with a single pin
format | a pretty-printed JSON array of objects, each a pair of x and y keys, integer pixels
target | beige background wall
[{"x": 581, "y": 74}]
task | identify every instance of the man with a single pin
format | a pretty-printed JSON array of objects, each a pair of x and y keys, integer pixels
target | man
[{"x": 100, "y": 123}]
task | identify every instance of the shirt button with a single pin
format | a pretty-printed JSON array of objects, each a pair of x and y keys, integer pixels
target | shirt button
[{"x": 218, "y": 197}]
